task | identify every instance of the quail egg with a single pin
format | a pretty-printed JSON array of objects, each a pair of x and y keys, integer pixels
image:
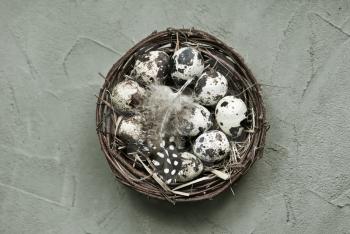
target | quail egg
[
  {"x": 230, "y": 112},
  {"x": 210, "y": 88},
  {"x": 151, "y": 67},
  {"x": 191, "y": 167},
  {"x": 187, "y": 63},
  {"x": 127, "y": 95},
  {"x": 193, "y": 119},
  {"x": 131, "y": 129},
  {"x": 211, "y": 146}
]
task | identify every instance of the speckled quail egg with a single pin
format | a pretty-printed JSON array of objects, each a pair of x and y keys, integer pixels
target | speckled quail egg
[
  {"x": 131, "y": 129},
  {"x": 230, "y": 112},
  {"x": 150, "y": 67},
  {"x": 211, "y": 146},
  {"x": 210, "y": 88},
  {"x": 126, "y": 95},
  {"x": 191, "y": 167},
  {"x": 187, "y": 63},
  {"x": 193, "y": 119}
]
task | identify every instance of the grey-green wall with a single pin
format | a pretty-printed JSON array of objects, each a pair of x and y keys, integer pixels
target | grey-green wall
[{"x": 53, "y": 177}]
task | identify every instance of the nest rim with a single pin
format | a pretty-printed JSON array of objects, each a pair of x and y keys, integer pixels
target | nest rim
[{"x": 141, "y": 180}]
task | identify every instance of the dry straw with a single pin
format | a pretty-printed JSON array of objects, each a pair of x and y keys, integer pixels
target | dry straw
[{"x": 135, "y": 170}]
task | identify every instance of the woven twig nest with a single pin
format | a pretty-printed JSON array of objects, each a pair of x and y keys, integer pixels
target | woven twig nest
[{"x": 136, "y": 170}]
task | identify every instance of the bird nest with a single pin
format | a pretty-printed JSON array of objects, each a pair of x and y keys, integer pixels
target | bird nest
[{"x": 136, "y": 170}]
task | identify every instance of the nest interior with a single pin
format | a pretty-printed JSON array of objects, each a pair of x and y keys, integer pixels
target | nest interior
[{"x": 136, "y": 171}]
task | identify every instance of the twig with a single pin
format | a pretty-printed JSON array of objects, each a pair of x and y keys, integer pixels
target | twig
[
  {"x": 100, "y": 74},
  {"x": 249, "y": 87},
  {"x": 192, "y": 182},
  {"x": 105, "y": 102},
  {"x": 117, "y": 123},
  {"x": 252, "y": 129},
  {"x": 177, "y": 42},
  {"x": 220, "y": 174}
]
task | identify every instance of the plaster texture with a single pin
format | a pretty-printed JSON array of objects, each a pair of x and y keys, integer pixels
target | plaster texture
[{"x": 53, "y": 176}]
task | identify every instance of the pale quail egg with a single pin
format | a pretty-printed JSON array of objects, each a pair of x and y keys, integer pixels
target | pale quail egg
[
  {"x": 211, "y": 146},
  {"x": 230, "y": 112},
  {"x": 127, "y": 95},
  {"x": 187, "y": 63},
  {"x": 191, "y": 167},
  {"x": 131, "y": 129},
  {"x": 150, "y": 67},
  {"x": 193, "y": 119},
  {"x": 210, "y": 88}
]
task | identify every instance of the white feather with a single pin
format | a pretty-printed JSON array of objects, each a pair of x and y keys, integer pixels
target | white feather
[{"x": 160, "y": 108}]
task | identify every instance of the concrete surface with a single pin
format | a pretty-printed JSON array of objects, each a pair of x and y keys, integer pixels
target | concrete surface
[{"x": 53, "y": 177}]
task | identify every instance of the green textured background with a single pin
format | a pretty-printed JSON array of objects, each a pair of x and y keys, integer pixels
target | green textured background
[{"x": 53, "y": 176}]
